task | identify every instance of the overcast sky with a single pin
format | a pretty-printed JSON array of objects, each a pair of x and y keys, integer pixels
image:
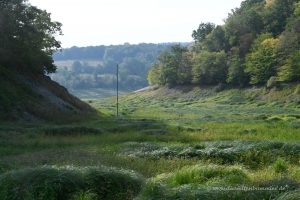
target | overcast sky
[{"x": 105, "y": 22}]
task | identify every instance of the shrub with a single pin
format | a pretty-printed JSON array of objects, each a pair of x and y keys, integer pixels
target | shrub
[{"x": 52, "y": 183}]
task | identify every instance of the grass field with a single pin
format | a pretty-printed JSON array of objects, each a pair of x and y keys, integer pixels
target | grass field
[
  {"x": 95, "y": 93},
  {"x": 183, "y": 143}
]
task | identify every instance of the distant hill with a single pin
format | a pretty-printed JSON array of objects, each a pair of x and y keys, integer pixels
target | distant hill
[{"x": 94, "y": 67}]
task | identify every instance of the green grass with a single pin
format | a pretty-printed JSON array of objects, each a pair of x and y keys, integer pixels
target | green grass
[
  {"x": 92, "y": 94},
  {"x": 69, "y": 183},
  {"x": 185, "y": 143}
]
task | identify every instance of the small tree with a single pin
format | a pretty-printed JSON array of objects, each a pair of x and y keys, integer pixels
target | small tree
[
  {"x": 173, "y": 68},
  {"x": 154, "y": 75}
]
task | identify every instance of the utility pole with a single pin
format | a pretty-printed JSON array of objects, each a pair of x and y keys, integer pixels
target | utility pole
[{"x": 117, "y": 90}]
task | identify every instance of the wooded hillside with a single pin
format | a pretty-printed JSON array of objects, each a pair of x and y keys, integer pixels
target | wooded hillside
[{"x": 259, "y": 44}]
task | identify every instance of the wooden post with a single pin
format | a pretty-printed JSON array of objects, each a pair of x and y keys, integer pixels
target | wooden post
[{"x": 117, "y": 90}]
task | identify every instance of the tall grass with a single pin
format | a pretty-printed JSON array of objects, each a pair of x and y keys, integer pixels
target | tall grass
[
  {"x": 187, "y": 143},
  {"x": 52, "y": 183},
  {"x": 217, "y": 182}
]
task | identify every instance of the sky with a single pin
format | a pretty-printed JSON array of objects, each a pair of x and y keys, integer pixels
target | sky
[{"x": 106, "y": 22}]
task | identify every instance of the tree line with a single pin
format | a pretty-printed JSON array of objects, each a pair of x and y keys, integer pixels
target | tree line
[
  {"x": 95, "y": 67},
  {"x": 259, "y": 44}
]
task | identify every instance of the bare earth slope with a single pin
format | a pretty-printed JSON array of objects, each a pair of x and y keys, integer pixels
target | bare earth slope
[{"x": 38, "y": 98}]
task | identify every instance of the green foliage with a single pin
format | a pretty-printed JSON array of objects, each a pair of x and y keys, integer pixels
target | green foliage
[
  {"x": 277, "y": 14},
  {"x": 203, "y": 30},
  {"x": 243, "y": 24},
  {"x": 289, "y": 43},
  {"x": 169, "y": 68},
  {"x": 290, "y": 71},
  {"x": 27, "y": 37},
  {"x": 209, "y": 68},
  {"x": 259, "y": 40},
  {"x": 236, "y": 72},
  {"x": 216, "y": 40},
  {"x": 173, "y": 68},
  {"x": 154, "y": 75},
  {"x": 261, "y": 61}
]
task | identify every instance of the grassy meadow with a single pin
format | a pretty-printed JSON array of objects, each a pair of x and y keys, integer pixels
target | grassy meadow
[{"x": 182, "y": 143}]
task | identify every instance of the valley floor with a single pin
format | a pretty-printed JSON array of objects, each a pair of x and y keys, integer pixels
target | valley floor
[{"x": 181, "y": 143}]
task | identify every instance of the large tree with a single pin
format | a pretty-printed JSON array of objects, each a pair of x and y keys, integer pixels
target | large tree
[
  {"x": 290, "y": 71},
  {"x": 27, "y": 37},
  {"x": 203, "y": 30},
  {"x": 261, "y": 62},
  {"x": 277, "y": 14},
  {"x": 173, "y": 68},
  {"x": 209, "y": 68}
]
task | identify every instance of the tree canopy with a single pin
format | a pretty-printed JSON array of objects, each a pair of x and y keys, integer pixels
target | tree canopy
[
  {"x": 27, "y": 37},
  {"x": 259, "y": 43}
]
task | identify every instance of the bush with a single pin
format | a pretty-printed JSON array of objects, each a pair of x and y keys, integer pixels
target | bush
[{"x": 52, "y": 183}]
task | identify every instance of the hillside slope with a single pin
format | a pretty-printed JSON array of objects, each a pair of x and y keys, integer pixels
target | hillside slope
[
  {"x": 191, "y": 104},
  {"x": 37, "y": 98}
]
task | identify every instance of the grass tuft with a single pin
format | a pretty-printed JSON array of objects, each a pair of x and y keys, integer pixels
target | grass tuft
[{"x": 64, "y": 183}]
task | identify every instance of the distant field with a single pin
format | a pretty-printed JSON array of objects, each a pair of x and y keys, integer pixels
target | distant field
[
  {"x": 69, "y": 63},
  {"x": 183, "y": 143},
  {"x": 95, "y": 93}
]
